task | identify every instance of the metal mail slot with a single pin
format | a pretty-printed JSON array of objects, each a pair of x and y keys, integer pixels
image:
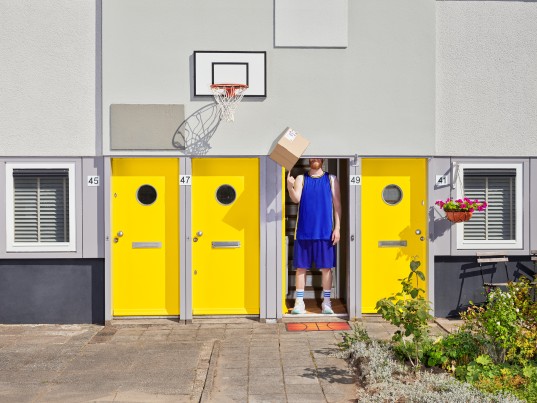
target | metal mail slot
[
  {"x": 391, "y": 244},
  {"x": 226, "y": 244},
  {"x": 146, "y": 245}
]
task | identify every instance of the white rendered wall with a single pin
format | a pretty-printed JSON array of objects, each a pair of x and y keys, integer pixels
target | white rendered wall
[
  {"x": 376, "y": 97},
  {"x": 486, "y": 78},
  {"x": 47, "y": 78}
]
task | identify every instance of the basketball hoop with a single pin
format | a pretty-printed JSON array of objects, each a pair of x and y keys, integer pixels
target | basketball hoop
[{"x": 228, "y": 97}]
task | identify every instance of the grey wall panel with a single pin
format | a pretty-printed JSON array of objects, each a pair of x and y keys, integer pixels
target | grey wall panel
[
  {"x": 48, "y": 78},
  {"x": 185, "y": 243},
  {"x": 273, "y": 215},
  {"x": 93, "y": 216},
  {"x": 376, "y": 97},
  {"x": 439, "y": 227},
  {"x": 354, "y": 264},
  {"x": 487, "y": 78},
  {"x": 3, "y": 238},
  {"x": 533, "y": 204},
  {"x": 459, "y": 280},
  {"x": 52, "y": 291},
  {"x": 263, "y": 191},
  {"x": 107, "y": 243}
]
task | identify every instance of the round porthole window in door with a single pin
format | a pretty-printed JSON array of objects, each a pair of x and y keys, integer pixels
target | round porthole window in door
[
  {"x": 392, "y": 195},
  {"x": 226, "y": 194},
  {"x": 146, "y": 195}
]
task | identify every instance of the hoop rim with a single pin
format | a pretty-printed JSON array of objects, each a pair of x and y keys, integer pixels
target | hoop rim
[{"x": 229, "y": 85}]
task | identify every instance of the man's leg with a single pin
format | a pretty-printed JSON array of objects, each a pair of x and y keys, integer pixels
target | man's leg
[
  {"x": 300, "y": 283},
  {"x": 327, "y": 289}
]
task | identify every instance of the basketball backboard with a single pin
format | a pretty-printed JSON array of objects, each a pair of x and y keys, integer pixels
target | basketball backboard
[{"x": 221, "y": 67}]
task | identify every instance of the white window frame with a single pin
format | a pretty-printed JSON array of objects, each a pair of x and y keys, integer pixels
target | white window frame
[
  {"x": 493, "y": 244},
  {"x": 13, "y": 246}
]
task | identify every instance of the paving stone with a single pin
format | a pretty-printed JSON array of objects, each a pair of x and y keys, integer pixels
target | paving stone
[
  {"x": 310, "y": 397},
  {"x": 268, "y": 398},
  {"x": 254, "y": 363},
  {"x": 308, "y": 388},
  {"x": 301, "y": 379}
]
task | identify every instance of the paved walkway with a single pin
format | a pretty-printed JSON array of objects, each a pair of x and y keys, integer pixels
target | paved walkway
[{"x": 164, "y": 361}]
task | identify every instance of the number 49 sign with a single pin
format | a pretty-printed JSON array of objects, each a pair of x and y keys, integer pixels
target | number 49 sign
[{"x": 355, "y": 180}]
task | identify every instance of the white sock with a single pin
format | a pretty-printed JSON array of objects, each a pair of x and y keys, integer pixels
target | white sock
[
  {"x": 299, "y": 295},
  {"x": 326, "y": 295}
]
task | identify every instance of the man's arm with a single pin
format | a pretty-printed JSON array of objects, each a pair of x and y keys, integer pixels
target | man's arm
[
  {"x": 336, "y": 200},
  {"x": 294, "y": 186}
]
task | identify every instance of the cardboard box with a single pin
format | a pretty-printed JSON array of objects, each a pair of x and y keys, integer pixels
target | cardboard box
[{"x": 289, "y": 148}]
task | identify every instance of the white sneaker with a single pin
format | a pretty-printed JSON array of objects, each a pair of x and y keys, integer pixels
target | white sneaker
[
  {"x": 327, "y": 308},
  {"x": 299, "y": 308}
]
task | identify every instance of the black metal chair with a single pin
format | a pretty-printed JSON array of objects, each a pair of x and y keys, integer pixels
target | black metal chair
[{"x": 493, "y": 257}]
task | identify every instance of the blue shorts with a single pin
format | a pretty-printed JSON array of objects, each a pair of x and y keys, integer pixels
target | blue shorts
[{"x": 320, "y": 253}]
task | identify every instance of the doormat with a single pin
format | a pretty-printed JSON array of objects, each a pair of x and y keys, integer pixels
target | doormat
[{"x": 317, "y": 326}]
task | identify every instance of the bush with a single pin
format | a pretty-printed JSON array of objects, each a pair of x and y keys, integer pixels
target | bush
[
  {"x": 409, "y": 311},
  {"x": 383, "y": 378}
]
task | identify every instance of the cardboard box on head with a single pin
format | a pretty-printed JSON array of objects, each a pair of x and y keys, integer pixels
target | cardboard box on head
[{"x": 289, "y": 148}]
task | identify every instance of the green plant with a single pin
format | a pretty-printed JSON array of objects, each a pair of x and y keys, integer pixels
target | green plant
[
  {"x": 506, "y": 324},
  {"x": 409, "y": 311},
  {"x": 357, "y": 334},
  {"x": 452, "y": 351}
]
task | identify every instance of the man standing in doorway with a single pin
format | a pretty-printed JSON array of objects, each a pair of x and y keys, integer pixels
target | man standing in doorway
[{"x": 317, "y": 229}]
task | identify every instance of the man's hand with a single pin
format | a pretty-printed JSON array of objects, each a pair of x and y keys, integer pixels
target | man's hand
[
  {"x": 290, "y": 181},
  {"x": 335, "y": 236}
]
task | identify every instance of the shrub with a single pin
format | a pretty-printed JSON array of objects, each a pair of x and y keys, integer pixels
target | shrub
[
  {"x": 409, "y": 311},
  {"x": 384, "y": 379}
]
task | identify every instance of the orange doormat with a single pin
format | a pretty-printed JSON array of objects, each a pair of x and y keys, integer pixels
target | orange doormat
[{"x": 316, "y": 326}]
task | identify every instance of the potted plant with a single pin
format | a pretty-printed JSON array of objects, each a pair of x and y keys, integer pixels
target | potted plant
[{"x": 461, "y": 209}]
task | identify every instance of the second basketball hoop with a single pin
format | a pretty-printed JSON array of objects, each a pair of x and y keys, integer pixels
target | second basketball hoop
[{"x": 227, "y": 97}]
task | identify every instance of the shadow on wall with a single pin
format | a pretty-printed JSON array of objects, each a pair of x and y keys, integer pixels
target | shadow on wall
[
  {"x": 440, "y": 224},
  {"x": 194, "y": 134}
]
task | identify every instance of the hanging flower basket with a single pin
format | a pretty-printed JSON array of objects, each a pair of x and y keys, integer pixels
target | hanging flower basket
[
  {"x": 460, "y": 210},
  {"x": 458, "y": 216}
]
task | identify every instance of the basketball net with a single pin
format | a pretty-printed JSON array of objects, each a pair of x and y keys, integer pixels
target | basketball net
[{"x": 227, "y": 97}]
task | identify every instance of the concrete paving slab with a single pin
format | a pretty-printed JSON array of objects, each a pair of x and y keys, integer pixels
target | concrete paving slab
[
  {"x": 310, "y": 397},
  {"x": 269, "y": 398},
  {"x": 164, "y": 360}
]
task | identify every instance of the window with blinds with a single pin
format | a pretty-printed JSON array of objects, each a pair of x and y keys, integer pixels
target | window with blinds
[
  {"x": 499, "y": 226},
  {"x": 498, "y": 188},
  {"x": 41, "y": 205}
]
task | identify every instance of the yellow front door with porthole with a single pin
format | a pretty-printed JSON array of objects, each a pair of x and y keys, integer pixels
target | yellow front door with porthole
[
  {"x": 144, "y": 236},
  {"x": 394, "y": 225},
  {"x": 225, "y": 236}
]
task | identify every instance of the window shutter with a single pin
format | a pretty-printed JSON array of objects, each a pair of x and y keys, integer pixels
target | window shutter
[
  {"x": 41, "y": 205},
  {"x": 498, "y": 188}
]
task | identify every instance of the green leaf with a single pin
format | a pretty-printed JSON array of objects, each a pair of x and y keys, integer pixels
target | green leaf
[
  {"x": 415, "y": 264},
  {"x": 414, "y": 293},
  {"x": 420, "y": 275},
  {"x": 484, "y": 360}
]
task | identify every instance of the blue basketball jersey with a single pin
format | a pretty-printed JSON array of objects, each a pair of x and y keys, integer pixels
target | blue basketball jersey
[{"x": 315, "y": 211}]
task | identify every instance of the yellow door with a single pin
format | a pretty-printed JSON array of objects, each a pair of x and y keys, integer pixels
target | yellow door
[
  {"x": 225, "y": 235},
  {"x": 144, "y": 235},
  {"x": 394, "y": 226}
]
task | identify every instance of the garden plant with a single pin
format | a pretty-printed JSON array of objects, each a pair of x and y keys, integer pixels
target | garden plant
[{"x": 491, "y": 358}]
